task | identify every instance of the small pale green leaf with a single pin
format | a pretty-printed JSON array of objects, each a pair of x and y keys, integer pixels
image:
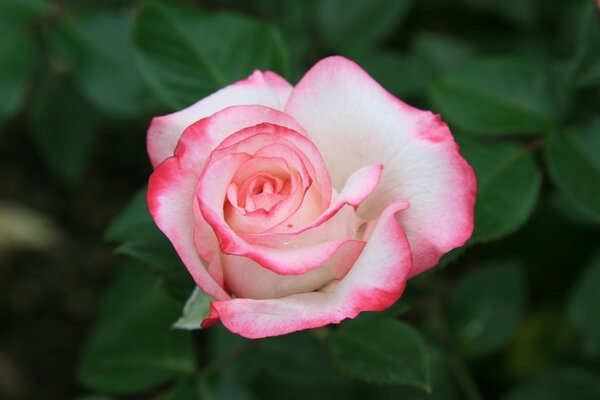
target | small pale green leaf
[
  {"x": 63, "y": 126},
  {"x": 196, "y": 308},
  {"x": 508, "y": 183},
  {"x": 574, "y": 162},
  {"x": 496, "y": 96},
  {"x": 486, "y": 307},
  {"x": 132, "y": 346},
  {"x": 560, "y": 384},
  {"x": 184, "y": 55},
  {"x": 584, "y": 309},
  {"x": 357, "y": 23},
  {"x": 384, "y": 351}
]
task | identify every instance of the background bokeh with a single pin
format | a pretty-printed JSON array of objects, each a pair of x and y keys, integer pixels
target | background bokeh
[{"x": 89, "y": 289}]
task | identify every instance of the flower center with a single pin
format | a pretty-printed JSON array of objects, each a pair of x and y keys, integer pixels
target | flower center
[{"x": 259, "y": 192}]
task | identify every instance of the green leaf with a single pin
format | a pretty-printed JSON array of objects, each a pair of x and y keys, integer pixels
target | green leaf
[
  {"x": 560, "y": 384},
  {"x": 143, "y": 241},
  {"x": 18, "y": 55},
  {"x": 574, "y": 166},
  {"x": 358, "y": 23},
  {"x": 585, "y": 67},
  {"x": 437, "y": 54},
  {"x": 398, "y": 73},
  {"x": 134, "y": 221},
  {"x": 196, "y": 308},
  {"x": 132, "y": 347},
  {"x": 63, "y": 128},
  {"x": 486, "y": 307},
  {"x": 496, "y": 96},
  {"x": 508, "y": 183},
  {"x": 520, "y": 12},
  {"x": 443, "y": 385},
  {"x": 15, "y": 14},
  {"x": 297, "y": 360},
  {"x": 584, "y": 310},
  {"x": 188, "y": 389},
  {"x": 185, "y": 56},
  {"x": 100, "y": 53},
  {"x": 384, "y": 351}
]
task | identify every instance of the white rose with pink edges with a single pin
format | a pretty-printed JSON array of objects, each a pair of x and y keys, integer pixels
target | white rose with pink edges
[{"x": 298, "y": 207}]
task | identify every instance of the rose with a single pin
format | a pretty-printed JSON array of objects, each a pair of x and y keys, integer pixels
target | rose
[{"x": 297, "y": 207}]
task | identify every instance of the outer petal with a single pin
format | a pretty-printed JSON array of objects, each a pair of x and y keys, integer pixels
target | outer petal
[
  {"x": 354, "y": 122},
  {"x": 171, "y": 201},
  {"x": 375, "y": 282},
  {"x": 266, "y": 89}
]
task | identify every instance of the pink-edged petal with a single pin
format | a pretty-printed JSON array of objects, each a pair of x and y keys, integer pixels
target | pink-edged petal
[
  {"x": 259, "y": 137},
  {"x": 354, "y": 122},
  {"x": 357, "y": 188},
  {"x": 287, "y": 258},
  {"x": 375, "y": 281},
  {"x": 261, "y": 88},
  {"x": 171, "y": 199},
  {"x": 245, "y": 278}
]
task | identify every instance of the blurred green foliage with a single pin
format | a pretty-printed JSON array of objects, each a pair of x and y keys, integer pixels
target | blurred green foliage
[{"x": 512, "y": 316}]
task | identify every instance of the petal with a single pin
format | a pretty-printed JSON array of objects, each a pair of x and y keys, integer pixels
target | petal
[
  {"x": 342, "y": 109},
  {"x": 286, "y": 258},
  {"x": 357, "y": 188},
  {"x": 375, "y": 281},
  {"x": 260, "y": 88},
  {"x": 245, "y": 278},
  {"x": 171, "y": 200}
]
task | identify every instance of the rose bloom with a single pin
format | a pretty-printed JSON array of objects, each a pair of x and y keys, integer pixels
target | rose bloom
[{"x": 298, "y": 207}]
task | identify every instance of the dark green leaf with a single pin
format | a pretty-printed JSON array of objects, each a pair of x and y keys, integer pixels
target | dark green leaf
[
  {"x": 487, "y": 306},
  {"x": 100, "y": 53},
  {"x": 508, "y": 183},
  {"x": 384, "y": 351},
  {"x": 357, "y": 23},
  {"x": 185, "y": 56},
  {"x": 398, "y": 73},
  {"x": 584, "y": 306},
  {"x": 188, "y": 389},
  {"x": 521, "y": 12},
  {"x": 63, "y": 127},
  {"x": 443, "y": 386},
  {"x": 585, "y": 67},
  {"x": 143, "y": 241},
  {"x": 437, "y": 54},
  {"x": 132, "y": 345},
  {"x": 18, "y": 55},
  {"x": 560, "y": 384},
  {"x": 296, "y": 359},
  {"x": 15, "y": 14},
  {"x": 496, "y": 96},
  {"x": 574, "y": 164}
]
